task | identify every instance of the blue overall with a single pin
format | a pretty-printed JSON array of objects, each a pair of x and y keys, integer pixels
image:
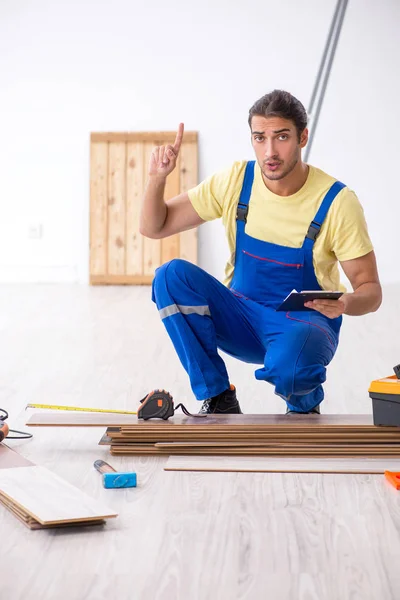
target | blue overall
[{"x": 202, "y": 315}]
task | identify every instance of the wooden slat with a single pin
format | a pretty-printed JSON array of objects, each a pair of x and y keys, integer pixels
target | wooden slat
[
  {"x": 121, "y": 279},
  {"x": 281, "y": 465},
  {"x": 135, "y": 182},
  {"x": 221, "y": 424},
  {"x": 78, "y": 419},
  {"x": 151, "y": 248},
  {"x": 164, "y": 137},
  {"x": 267, "y": 443},
  {"x": 277, "y": 448},
  {"x": 133, "y": 449},
  {"x": 281, "y": 422},
  {"x": 188, "y": 180},
  {"x": 98, "y": 207},
  {"x": 17, "y": 512},
  {"x": 116, "y": 208},
  {"x": 243, "y": 440},
  {"x": 49, "y": 499}
]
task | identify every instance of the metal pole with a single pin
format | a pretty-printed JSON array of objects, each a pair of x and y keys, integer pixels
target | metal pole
[
  {"x": 324, "y": 57},
  {"x": 327, "y": 57}
]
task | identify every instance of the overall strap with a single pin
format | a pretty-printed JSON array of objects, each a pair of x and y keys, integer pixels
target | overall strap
[
  {"x": 319, "y": 218},
  {"x": 243, "y": 204}
]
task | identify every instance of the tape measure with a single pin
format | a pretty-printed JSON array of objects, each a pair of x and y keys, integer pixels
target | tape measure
[
  {"x": 159, "y": 404},
  {"x": 101, "y": 410}
]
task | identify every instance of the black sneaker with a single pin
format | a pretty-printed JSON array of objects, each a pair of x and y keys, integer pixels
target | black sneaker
[
  {"x": 314, "y": 411},
  {"x": 225, "y": 403}
]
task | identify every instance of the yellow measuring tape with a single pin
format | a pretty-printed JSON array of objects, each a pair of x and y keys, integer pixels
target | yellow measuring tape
[{"x": 103, "y": 410}]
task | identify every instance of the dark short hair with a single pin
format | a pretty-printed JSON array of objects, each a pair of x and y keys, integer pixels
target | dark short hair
[{"x": 280, "y": 104}]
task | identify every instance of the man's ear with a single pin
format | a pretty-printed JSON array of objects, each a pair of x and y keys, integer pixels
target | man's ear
[{"x": 304, "y": 138}]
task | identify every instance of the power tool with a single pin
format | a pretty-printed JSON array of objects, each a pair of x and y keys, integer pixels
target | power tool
[{"x": 159, "y": 404}]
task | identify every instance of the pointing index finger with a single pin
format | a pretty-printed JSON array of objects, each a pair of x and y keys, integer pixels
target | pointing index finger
[{"x": 178, "y": 139}]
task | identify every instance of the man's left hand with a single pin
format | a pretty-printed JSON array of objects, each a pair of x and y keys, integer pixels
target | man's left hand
[{"x": 329, "y": 308}]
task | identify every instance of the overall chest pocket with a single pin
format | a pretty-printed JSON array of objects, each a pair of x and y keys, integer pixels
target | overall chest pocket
[{"x": 273, "y": 277}]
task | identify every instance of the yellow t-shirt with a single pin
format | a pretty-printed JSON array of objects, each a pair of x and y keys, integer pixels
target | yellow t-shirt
[{"x": 284, "y": 220}]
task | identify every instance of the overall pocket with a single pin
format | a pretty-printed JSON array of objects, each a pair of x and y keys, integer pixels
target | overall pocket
[{"x": 269, "y": 279}]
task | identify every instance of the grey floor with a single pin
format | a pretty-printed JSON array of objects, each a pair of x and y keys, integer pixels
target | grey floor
[{"x": 185, "y": 536}]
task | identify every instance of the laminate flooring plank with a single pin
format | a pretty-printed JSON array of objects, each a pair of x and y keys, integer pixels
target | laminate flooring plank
[
  {"x": 263, "y": 420},
  {"x": 323, "y": 441},
  {"x": 282, "y": 465},
  {"x": 130, "y": 423},
  {"x": 31, "y": 523},
  {"x": 321, "y": 455},
  {"x": 248, "y": 437},
  {"x": 49, "y": 499},
  {"x": 277, "y": 446},
  {"x": 77, "y": 419},
  {"x": 10, "y": 458},
  {"x": 14, "y": 508}
]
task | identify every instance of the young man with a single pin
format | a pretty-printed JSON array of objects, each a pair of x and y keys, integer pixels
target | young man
[{"x": 288, "y": 225}]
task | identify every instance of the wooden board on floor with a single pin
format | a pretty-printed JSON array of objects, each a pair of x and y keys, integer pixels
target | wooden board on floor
[
  {"x": 282, "y": 465},
  {"x": 245, "y": 428},
  {"x": 232, "y": 424},
  {"x": 9, "y": 458},
  {"x": 27, "y": 490},
  {"x": 278, "y": 422},
  {"x": 260, "y": 437},
  {"x": 293, "y": 446},
  {"x": 78, "y": 419},
  {"x": 119, "y": 254},
  {"x": 139, "y": 450},
  {"x": 31, "y": 523},
  {"x": 47, "y": 498}
]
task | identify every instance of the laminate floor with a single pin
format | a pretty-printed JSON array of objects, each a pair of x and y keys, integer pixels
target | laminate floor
[{"x": 184, "y": 535}]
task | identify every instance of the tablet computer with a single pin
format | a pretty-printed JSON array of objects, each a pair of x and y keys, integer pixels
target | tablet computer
[{"x": 296, "y": 300}]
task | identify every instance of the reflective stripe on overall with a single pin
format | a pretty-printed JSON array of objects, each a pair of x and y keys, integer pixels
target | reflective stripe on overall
[{"x": 202, "y": 315}]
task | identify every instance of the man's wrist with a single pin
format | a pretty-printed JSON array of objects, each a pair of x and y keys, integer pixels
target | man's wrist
[
  {"x": 346, "y": 299},
  {"x": 157, "y": 179}
]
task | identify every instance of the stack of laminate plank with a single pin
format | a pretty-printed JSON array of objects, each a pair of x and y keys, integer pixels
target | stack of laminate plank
[
  {"x": 263, "y": 435},
  {"x": 41, "y": 499}
]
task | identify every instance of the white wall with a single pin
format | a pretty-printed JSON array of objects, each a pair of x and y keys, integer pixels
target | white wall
[{"x": 69, "y": 68}]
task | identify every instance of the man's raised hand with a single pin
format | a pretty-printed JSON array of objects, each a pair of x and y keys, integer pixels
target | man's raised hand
[{"x": 163, "y": 158}]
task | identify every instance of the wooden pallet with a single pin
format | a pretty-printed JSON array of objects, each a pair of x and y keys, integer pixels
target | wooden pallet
[{"x": 119, "y": 254}]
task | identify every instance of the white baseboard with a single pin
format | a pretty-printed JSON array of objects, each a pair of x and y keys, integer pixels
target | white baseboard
[{"x": 39, "y": 274}]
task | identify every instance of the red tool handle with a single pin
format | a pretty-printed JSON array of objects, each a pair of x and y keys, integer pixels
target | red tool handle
[{"x": 3, "y": 430}]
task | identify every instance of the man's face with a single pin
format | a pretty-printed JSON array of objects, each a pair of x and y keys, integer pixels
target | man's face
[{"x": 277, "y": 146}]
